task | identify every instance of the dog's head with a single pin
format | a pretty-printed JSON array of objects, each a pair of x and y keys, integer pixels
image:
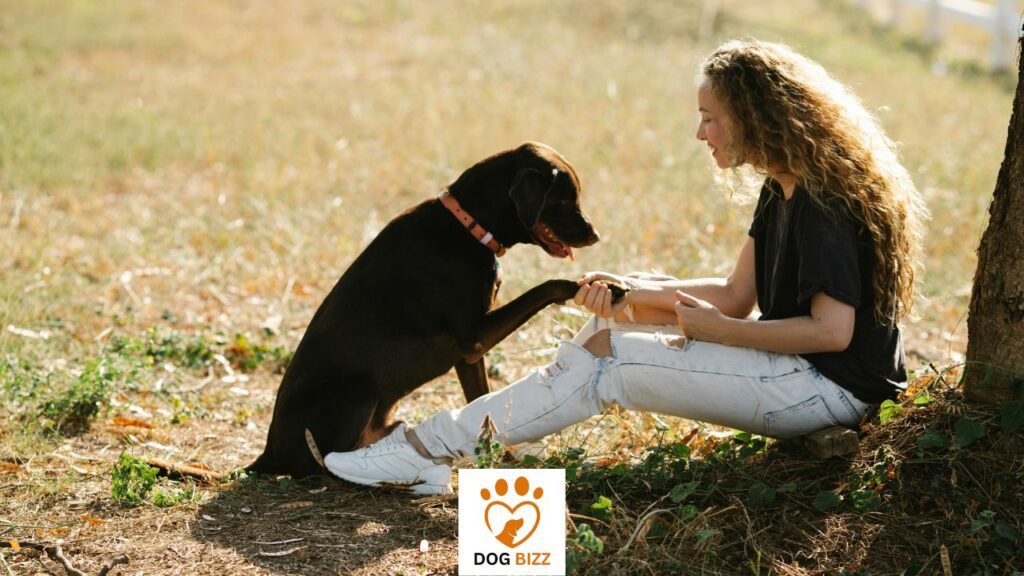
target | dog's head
[{"x": 546, "y": 194}]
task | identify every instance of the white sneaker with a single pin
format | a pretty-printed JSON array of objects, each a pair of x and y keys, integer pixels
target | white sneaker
[{"x": 392, "y": 462}]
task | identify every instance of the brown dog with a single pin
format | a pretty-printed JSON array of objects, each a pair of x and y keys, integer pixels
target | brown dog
[{"x": 418, "y": 301}]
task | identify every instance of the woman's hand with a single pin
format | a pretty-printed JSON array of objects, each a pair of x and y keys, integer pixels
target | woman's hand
[
  {"x": 700, "y": 320},
  {"x": 603, "y": 277},
  {"x": 594, "y": 294}
]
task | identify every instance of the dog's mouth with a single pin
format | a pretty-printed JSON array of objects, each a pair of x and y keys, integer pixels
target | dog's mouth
[{"x": 551, "y": 243}]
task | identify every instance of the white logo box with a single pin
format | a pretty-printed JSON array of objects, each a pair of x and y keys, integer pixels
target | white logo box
[{"x": 512, "y": 522}]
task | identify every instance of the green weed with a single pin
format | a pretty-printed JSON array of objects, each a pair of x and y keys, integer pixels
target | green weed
[
  {"x": 247, "y": 355},
  {"x": 993, "y": 544},
  {"x": 967, "y": 431},
  {"x": 182, "y": 410},
  {"x": 888, "y": 410},
  {"x": 157, "y": 345},
  {"x": 580, "y": 547},
  {"x": 865, "y": 489},
  {"x": 72, "y": 408},
  {"x": 131, "y": 479},
  {"x": 601, "y": 509},
  {"x": 21, "y": 382}
]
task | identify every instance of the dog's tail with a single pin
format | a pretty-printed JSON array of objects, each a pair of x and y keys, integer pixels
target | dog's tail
[{"x": 313, "y": 450}]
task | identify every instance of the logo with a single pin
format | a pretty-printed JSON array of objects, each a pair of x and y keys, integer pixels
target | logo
[
  {"x": 509, "y": 517},
  {"x": 512, "y": 522}
]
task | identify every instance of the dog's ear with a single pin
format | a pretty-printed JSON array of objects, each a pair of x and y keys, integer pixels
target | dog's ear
[{"x": 529, "y": 193}]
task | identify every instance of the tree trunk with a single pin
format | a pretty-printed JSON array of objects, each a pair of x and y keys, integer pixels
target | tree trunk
[{"x": 995, "y": 324}]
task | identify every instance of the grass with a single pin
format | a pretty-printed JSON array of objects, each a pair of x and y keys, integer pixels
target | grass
[{"x": 181, "y": 183}]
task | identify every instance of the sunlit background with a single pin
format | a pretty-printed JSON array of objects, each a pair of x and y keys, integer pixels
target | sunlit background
[{"x": 209, "y": 169}]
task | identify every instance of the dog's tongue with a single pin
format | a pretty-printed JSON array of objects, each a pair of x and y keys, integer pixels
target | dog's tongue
[{"x": 570, "y": 255}]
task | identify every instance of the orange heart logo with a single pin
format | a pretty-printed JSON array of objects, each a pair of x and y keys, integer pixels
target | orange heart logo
[
  {"x": 509, "y": 518},
  {"x": 513, "y": 525}
]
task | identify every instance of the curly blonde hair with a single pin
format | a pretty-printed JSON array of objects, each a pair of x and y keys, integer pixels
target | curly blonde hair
[{"x": 787, "y": 114}]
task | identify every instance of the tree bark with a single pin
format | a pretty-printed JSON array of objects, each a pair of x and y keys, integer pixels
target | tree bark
[{"x": 995, "y": 324}]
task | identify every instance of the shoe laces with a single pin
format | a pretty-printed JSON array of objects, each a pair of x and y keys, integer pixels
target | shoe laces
[{"x": 389, "y": 443}]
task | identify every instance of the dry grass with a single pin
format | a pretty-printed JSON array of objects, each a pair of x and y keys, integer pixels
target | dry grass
[{"x": 211, "y": 168}]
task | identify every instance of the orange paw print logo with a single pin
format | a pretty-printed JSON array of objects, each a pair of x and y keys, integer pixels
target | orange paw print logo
[{"x": 517, "y": 523}]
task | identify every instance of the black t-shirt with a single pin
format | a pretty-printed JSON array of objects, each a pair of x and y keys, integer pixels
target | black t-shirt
[{"x": 801, "y": 249}]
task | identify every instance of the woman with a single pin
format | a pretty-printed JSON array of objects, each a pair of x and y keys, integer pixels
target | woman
[{"x": 829, "y": 261}]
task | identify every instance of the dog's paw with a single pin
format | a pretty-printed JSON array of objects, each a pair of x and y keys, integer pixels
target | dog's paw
[
  {"x": 618, "y": 292},
  {"x": 560, "y": 291}
]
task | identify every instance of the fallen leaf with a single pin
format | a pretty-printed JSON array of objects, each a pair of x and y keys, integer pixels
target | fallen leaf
[
  {"x": 130, "y": 422},
  {"x": 15, "y": 546},
  {"x": 92, "y": 520},
  {"x": 689, "y": 435},
  {"x": 7, "y": 467}
]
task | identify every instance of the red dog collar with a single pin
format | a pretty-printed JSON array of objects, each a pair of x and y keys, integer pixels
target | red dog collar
[{"x": 478, "y": 231}]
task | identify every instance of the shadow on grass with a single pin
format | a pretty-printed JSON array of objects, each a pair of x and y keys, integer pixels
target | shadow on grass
[
  {"x": 942, "y": 474},
  {"x": 321, "y": 526},
  {"x": 941, "y": 478}
]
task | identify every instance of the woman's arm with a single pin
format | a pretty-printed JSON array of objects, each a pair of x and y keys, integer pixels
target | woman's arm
[
  {"x": 829, "y": 328},
  {"x": 653, "y": 301}
]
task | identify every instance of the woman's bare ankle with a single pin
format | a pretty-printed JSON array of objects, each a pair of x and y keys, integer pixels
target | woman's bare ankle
[{"x": 412, "y": 438}]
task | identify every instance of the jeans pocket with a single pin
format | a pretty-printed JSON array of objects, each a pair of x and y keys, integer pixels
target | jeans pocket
[
  {"x": 854, "y": 408},
  {"x": 802, "y": 418}
]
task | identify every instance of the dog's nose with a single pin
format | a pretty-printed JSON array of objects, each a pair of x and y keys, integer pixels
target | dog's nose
[{"x": 594, "y": 237}]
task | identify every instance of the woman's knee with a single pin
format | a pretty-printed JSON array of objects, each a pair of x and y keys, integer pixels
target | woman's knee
[{"x": 600, "y": 344}]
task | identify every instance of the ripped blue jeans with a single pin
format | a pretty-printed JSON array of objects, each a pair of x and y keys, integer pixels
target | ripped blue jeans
[{"x": 652, "y": 368}]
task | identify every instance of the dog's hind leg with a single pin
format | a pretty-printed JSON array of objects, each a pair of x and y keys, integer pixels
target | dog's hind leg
[
  {"x": 379, "y": 426},
  {"x": 332, "y": 428},
  {"x": 473, "y": 378},
  {"x": 262, "y": 465}
]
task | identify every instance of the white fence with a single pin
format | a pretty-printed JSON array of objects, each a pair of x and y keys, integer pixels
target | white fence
[{"x": 1002, "y": 19}]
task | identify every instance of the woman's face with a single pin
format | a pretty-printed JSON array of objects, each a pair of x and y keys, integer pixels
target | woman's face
[{"x": 713, "y": 128}]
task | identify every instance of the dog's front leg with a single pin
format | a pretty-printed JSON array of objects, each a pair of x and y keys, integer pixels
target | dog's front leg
[
  {"x": 500, "y": 322},
  {"x": 497, "y": 324},
  {"x": 473, "y": 378}
]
